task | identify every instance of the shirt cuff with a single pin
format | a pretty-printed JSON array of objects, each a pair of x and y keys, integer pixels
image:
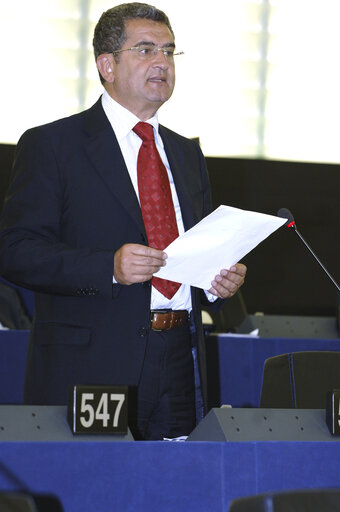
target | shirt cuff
[{"x": 210, "y": 296}]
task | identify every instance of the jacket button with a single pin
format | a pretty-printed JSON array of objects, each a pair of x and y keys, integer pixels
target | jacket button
[{"x": 143, "y": 331}]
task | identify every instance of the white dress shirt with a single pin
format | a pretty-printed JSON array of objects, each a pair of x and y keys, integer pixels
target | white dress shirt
[{"x": 122, "y": 122}]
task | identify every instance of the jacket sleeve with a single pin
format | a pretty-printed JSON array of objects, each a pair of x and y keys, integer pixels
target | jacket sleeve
[{"x": 33, "y": 251}]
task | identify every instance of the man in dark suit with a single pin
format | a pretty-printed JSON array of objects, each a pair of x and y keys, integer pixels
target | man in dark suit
[{"x": 72, "y": 231}]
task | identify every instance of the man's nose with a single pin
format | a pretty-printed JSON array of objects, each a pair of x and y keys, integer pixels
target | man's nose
[{"x": 160, "y": 58}]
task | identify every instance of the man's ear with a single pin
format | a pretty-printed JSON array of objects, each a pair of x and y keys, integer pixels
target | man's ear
[{"x": 105, "y": 65}]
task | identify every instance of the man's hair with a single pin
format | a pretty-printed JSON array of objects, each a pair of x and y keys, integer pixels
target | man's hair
[{"x": 110, "y": 31}]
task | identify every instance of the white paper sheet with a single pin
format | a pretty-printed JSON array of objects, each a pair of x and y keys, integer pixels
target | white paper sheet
[{"x": 218, "y": 241}]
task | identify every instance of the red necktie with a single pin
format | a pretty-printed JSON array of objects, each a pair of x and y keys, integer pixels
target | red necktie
[{"x": 156, "y": 201}]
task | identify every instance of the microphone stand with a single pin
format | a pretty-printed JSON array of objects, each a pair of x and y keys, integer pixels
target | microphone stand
[
  {"x": 315, "y": 256},
  {"x": 292, "y": 225}
]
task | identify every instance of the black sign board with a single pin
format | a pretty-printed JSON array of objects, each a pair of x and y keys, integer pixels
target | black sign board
[{"x": 98, "y": 409}]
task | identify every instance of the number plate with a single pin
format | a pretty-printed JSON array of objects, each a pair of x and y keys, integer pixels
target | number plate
[{"x": 98, "y": 410}]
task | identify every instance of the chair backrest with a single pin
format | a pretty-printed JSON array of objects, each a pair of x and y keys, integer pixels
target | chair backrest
[
  {"x": 229, "y": 317},
  {"x": 25, "y": 502},
  {"x": 300, "y": 379},
  {"x": 311, "y": 500}
]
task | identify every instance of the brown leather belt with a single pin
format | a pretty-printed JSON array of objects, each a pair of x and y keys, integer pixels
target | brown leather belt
[{"x": 165, "y": 319}]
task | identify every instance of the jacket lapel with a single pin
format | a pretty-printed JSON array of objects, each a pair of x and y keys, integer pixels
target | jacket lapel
[
  {"x": 182, "y": 185},
  {"x": 104, "y": 152}
]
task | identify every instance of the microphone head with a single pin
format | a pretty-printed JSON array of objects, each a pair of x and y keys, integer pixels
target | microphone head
[{"x": 284, "y": 213}]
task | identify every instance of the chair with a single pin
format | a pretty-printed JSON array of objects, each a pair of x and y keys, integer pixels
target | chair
[
  {"x": 312, "y": 500},
  {"x": 25, "y": 502},
  {"x": 300, "y": 380},
  {"x": 228, "y": 318}
]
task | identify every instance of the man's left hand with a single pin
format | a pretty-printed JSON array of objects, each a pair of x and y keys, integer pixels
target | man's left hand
[{"x": 227, "y": 282}]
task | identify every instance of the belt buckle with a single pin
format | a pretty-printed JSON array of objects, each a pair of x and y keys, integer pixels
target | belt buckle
[{"x": 158, "y": 311}]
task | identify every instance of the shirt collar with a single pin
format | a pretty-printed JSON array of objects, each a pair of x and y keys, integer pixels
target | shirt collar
[{"x": 122, "y": 120}]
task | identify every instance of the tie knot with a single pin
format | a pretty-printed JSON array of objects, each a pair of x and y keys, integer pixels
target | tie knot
[{"x": 144, "y": 131}]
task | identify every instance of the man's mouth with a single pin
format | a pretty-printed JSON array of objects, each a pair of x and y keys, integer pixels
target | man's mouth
[{"x": 158, "y": 79}]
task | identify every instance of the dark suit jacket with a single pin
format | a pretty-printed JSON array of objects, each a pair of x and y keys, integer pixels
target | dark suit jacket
[{"x": 70, "y": 206}]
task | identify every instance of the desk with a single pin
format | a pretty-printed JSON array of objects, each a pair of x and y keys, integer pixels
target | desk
[
  {"x": 235, "y": 365},
  {"x": 163, "y": 476}
]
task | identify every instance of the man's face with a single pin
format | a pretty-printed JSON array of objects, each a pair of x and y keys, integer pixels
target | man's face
[{"x": 142, "y": 86}]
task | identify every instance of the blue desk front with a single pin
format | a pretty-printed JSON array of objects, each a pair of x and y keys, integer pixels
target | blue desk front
[
  {"x": 163, "y": 476},
  {"x": 235, "y": 365}
]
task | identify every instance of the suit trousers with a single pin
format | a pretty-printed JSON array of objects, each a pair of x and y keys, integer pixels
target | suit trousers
[{"x": 165, "y": 401}]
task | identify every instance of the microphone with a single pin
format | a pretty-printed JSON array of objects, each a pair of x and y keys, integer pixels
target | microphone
[{"x": 284, "y": 213}]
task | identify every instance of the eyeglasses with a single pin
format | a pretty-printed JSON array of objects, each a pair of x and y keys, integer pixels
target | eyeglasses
[{"x": 148, "y": 51}]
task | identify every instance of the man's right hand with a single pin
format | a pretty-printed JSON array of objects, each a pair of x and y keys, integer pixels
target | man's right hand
[{"x": 134, "y": 263}]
